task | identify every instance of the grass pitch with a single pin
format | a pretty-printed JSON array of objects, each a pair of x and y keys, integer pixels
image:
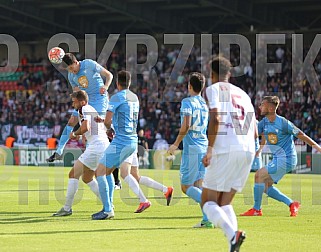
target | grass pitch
[{"x": 30, "y": 195}]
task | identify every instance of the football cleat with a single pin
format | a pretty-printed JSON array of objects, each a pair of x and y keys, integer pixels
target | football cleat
[
  {"x": 118, "y": 186},
  {"x": 143, "y": 206},
  {"x": 168, "y": 195},
  {"x": 204, "y": 224},
  {"x": 294, "y": 208},
  {"x": 53, "y": 157},
  {"x": 102, "y": 215},
  {"x": 62, "y": 212},
  {"x": 252, "y": 212},
  {"x": 237, "y": 241}
]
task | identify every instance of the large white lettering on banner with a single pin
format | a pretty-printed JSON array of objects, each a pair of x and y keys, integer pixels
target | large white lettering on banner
[
  {"x": 34, "y": 157},
  {"x": 35, "y": 134}
]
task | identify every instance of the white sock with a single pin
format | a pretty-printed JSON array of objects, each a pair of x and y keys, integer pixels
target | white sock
[
  {"x": 93, "y": 185},
  {"x": 134, "y": 186},
  {"x": 146, "y": 181},
  {"x": 71, "y": 191},
  {"x": 219, "y": 218},
  {"x": 229, "y": 211}
]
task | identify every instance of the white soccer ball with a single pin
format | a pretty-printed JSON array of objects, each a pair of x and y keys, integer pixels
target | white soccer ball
[{"x": 55, "y": 55}]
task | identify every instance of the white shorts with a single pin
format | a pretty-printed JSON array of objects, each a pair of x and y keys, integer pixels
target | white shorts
[
  {"x": 132, "y": 159},
  {"x": 93, "y": 154},
  {"x": 228, "y": 171}
]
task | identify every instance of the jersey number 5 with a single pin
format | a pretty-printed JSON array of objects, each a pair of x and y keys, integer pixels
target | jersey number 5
[{"x": 235, "y": 97}]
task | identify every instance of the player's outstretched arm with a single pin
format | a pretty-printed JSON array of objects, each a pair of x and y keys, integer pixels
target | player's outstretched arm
[{"x": 302, "y": 136}]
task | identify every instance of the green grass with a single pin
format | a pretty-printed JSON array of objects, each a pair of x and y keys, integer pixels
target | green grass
[{"x": 29, "y": 196}]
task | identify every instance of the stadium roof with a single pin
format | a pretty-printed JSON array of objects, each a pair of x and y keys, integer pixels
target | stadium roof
[{"x": 30, "y": 20}]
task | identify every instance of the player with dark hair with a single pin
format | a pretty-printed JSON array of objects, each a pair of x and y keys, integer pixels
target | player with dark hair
[
  {"x": 84, "y": 75},
  {"x": 194, "y": 120},
  {"x": 230, "y": 152},
  {"x": 123, "y": 114}
]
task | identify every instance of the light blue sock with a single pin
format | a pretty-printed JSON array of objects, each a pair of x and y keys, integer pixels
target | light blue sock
[
  {"x": 64, "y": 138},
  {"x": 204, "y": 215},
  {"x": 111, "y": 185},
  {"x": 258, "y": 193},
  {"x": 195, "y": 193},
  {"x": 276, "y": 194},
  {"x": 104, "y": 192}
]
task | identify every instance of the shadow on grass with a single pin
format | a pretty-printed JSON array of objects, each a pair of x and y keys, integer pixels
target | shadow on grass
[
  {"x": 32, "y": 219},
  {"x": 19, "y": 213},
  {"x": 35, "y": 190},
  {"x": 166, "y": 217},
  {"x": 95, "y": 230},
  {"x": 23, "y": 220}
]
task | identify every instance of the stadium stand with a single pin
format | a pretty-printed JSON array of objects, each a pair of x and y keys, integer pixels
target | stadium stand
[{"x": 37, "y": 95}]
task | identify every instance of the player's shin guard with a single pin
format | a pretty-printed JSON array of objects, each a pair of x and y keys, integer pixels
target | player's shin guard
[
  {"x": 146, "y": 181},
  {"x": 258, "y": 194},
  {"x": 93, "y": 185},
  {"x": 71, "y": 191},
  {"x": 134, "y": 186},
  {"x": 111, "y": 185},
  {"x": 276, "y": 194},
  {"x": 195, "y": 193},
  {"x": 218, "y": 217},
  {"x": 104, "y": 193},
  {"x": 229, "y": 211}
]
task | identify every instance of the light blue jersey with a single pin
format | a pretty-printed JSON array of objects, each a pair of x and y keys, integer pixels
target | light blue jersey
[
  {"x": 125, "y": 108},
  {"x": 196, "y": 107},
  {"x": 279, "y": 136},
  {"x": 89, "y": 79},
  {"x": 195, "y": 142}
]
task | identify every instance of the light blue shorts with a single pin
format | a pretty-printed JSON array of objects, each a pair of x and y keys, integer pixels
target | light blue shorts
[
  {"x": 100, "y": 105},
  {"x": 192, "y": 168},
  {"x": 116, "y": 153},
  {"x": 278, "y": 167}
]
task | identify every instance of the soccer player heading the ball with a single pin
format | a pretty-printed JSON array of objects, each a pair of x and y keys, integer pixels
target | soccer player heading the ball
[{"x": 84, "y": 75}]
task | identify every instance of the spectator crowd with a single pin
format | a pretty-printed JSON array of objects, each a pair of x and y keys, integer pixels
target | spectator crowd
[{"x": 43, "y": 95}]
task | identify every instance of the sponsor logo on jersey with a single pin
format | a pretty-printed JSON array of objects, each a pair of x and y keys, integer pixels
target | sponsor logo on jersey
[
  {"x": 83, "y": 81},
  {"x": 272, "y": 138}
]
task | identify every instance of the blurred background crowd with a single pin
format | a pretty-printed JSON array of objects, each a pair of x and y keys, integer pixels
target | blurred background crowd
[{"x": 37, "y": 95}]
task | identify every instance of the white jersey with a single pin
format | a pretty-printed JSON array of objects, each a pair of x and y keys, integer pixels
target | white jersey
[
  {"x": 97, "y": 131},
  {"x": 237, "y": 118}
]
